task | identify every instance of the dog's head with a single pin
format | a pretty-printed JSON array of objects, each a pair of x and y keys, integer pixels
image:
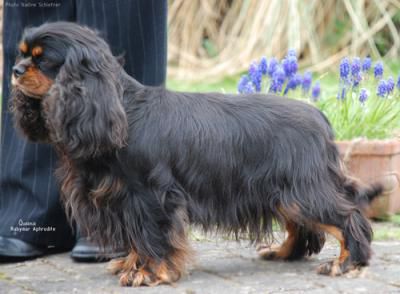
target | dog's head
[{"x": 70, "y": 74}]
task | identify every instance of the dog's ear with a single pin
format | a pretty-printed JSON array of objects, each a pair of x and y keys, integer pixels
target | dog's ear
[
  {"x": 84, "y": 106},
  {"x": 28, "y": 117}
]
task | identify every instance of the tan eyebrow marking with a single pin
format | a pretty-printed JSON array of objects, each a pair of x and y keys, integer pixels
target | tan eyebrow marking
[
  {"x": 23, "y": 47},
  {"x": 36, "y": 51}
]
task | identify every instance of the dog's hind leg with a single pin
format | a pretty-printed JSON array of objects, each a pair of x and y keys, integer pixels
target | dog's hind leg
[
  {"x": 300, "y": 242},
  {"x": 307, "y": 242}
]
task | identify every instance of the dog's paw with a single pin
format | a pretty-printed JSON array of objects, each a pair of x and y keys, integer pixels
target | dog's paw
[
  {"x": 148, "y": 275},
  {"x": 135, "y": 273},
  {"x": 331, "y": 268},
  {"x": 116, "y": 266},
  {"x": 138, "y": 278},
  {"x": 270, "y": 252},
  {"x": 334, "y": 268},
  {"x": 269, "y": 255}
]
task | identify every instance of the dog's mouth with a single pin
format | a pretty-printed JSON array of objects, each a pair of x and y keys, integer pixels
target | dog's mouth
[{"x": 33, "y": 90}]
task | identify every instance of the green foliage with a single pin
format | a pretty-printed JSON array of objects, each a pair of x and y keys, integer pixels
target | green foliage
[
  {"x": 224, "y": 85},
  {"x": 338, "y": 28},
  {"x": 210, "y": 48},
  {"x": 388, "y": 230},
  {"x": 376, "y": 118},
  {"x": 395, "y": 219}
]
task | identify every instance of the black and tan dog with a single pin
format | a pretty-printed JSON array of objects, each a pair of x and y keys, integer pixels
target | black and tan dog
[{"x": 139, "y": 163}]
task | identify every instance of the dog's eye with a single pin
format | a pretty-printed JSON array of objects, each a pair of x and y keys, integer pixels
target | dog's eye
[
  {"x": 42, "y": 62},
  {"x": 20, "y": 55}
]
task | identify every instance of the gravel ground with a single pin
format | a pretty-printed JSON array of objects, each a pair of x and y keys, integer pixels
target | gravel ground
[{"x": 221, "y": 266}]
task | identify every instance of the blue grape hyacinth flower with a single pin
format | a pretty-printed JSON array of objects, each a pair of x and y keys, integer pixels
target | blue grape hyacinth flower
[
  {"x": 381, "y": 90},
  {"x": 263, "y": 65},
  {"x": 293, "y": 83},
  {"x": 344, "y": 68},
  {"x": 390, "y": 85},
  {"x": 398, "y": 83},
  {"x": 244, "y": 80},
  {"x": 255, "y": 76},
  {"x": 378, "y": 70},
  {"x": 278, "y": 79},
  {"x": 357, "y": 79},
  {"x": 342, "y": 94},
  {"x": 367, "y": 62},
  {"x": 273, "y": 65},
  {"x": 248, "y": 88},
  {"x": 292, "y": 52},
  {"x": 355, "y": 67},
  {"x": 307, "y": 81},
  {"x": 316, "y": 91},
  {"x": 363, "y": 95},
  {"x": 290, "y": 65}
]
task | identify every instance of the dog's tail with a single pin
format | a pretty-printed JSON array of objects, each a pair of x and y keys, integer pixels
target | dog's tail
[{"x": 361, "y": 194}]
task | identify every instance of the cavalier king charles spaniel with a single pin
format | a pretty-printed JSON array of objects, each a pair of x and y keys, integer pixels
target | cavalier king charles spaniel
[{"x": 139, "y": 163}]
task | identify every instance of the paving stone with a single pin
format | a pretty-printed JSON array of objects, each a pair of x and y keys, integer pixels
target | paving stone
[{"x": 221, "y": 266}]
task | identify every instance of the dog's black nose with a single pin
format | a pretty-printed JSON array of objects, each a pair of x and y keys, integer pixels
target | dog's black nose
[{"x": 18, "y": 70}]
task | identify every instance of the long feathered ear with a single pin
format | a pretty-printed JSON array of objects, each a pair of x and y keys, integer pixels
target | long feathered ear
[
  {"x": 84, "y": 106},
  {"x": 28, "y": 116}
]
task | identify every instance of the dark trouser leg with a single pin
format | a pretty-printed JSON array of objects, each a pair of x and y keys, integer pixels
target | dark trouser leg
[
  {"x": 28, "y": 190},
  {"x": 135, "y": 28}
]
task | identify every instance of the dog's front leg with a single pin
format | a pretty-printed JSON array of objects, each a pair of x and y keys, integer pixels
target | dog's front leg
[
  {"x": 136, "y": 270},
  {"x": 159, "y": 249}
]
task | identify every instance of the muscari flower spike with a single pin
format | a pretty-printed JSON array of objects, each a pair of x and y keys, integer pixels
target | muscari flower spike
[
  {"x": 363, "y": 95},
  {"x": 278, "y": 79},
  {"x": 243, "y": 83},
  {"x": 357, "y": 79},
  {"x": 381, "y": 90},
  {"x": 293, "y": 83},
  {"x": 273, "y": 65},
  {"x": 367, "y": 62},
  {"x": 290, "y": 65},
  {"x": 248, "y": 88},
  {"x": 378, "y": 70},
  {"x": 316, "y": 91},
  {"x": 292, "y": 52},
  {"x": 263, "y": 65},
  {"x": 255, "y": 76},
  {"x": 355, "y": 66},
  {"x": 344, "y": 68},
  {"x": 307, "y": 80},
  {"x": 342, "y": 94},
  {"x": 398, "y": 83},
  {"x": 390, "y": 85}
]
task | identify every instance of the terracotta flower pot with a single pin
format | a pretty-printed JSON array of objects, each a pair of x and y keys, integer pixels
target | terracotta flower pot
[{"x": 375, "y": 160}]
